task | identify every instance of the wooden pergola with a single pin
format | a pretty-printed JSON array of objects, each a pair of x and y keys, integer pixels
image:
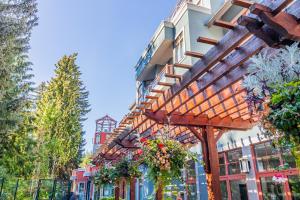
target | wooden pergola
[{"x": 209, "y": 98}]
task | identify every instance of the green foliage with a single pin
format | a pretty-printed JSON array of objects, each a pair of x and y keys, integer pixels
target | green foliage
[
  {"x": 105, "y": 175},
  {"x": 58, "y": 121},
  {"x": 285, "y": 109},
  {"x": 86, "y": 160},
  {"x": 285, "y": 115},
  {"x": 19, "y": 161},
  {"x": 165, "y": 160},
  {"x": 127, "y": 168},
  {"x": 276, "y": 78},
  {"x": 108, "y": 198},
  {"x": 17, "y": 18}
]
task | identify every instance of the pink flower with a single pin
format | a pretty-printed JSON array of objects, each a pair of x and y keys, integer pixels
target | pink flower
[
  {"x": 139, "y": 152},
  {"x": 144, "y": 140}
]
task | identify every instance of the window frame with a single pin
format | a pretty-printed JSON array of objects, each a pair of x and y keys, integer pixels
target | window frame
[{"x": 180, "y": 35}]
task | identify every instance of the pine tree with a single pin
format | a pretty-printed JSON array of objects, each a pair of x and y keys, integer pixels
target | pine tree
[
  {"x": 60, "y": 113},
  {"x": 17, "y": 18}
]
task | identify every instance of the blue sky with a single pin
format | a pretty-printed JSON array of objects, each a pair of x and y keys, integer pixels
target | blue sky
[{"x": 109, "y": 37}]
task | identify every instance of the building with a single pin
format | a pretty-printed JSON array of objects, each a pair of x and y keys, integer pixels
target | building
[
  {"x": 170, "y": 79},
  {"x": 82, "y": 178},
  {"x": 104, "y": 126}
]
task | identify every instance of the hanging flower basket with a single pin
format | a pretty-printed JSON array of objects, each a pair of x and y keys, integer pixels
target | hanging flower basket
[
  {"x": 279, "y": 179},
  {"x": 165, "y": 159}
]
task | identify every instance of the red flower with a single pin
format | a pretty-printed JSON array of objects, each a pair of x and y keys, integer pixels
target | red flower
[
  {"x": 143, "y": 140},
  {"x": 139, "y": 152},
  {"x": 160, "y": 145}
]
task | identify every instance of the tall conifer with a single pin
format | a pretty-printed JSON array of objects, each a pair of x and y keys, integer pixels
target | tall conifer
[
  {"x": 60, "y": 113},
  {"x": 17, "y": 18}
]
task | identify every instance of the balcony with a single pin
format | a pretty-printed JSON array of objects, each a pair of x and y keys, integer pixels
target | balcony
[{"x": 158, "y": 52}]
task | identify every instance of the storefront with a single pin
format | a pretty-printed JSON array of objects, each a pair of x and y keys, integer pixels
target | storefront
[{"x": 267, "y": 162}]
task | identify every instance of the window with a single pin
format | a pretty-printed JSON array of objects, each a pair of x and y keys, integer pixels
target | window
[
  {"x": 265, "y": 157},
  {"x": 222, "y": 164},
  {"x": 233, "y": 161},
  {"x": 179, "y": 48},
  {"x": 271, "y": 190},
  {"x": 230, "y": 161},
  {"x": 224, "y": 190},
  {"x": 97, "y": 139},
  {"x": 238, "y": 190}
]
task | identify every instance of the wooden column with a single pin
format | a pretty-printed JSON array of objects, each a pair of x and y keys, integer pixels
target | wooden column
[
  {"x": 132, "y": 188},
  {"x": 213, "y": 173},
  {"x": 117, "y": 190},
  {"x": 159, "y": 192}
]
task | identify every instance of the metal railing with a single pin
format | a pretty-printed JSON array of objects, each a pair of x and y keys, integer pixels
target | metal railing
[
  {"x": 179, "y": 4},
  {"x": 42, "y": 189}
]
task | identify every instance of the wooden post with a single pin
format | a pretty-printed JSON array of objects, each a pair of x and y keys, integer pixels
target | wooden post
[
  {"x": 213, "y": 174},
  {"x": 132, "y": 188},
  {"x": 159, "y": 192},
  {"x": 117, "y": 190}
]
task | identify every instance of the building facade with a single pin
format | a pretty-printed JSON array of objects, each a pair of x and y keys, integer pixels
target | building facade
[
  {"x": 82, "y": 178},
  {"x": 248, "y": 161}
]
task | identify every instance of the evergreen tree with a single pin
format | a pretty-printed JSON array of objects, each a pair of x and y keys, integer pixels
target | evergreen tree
[
  {"x": 17, "y": 18},
  {"x": 60, "y": 113}
]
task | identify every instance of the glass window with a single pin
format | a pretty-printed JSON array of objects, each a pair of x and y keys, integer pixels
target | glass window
[
  {"x": 265, "y": 157},
  {"x": 289, "y": 159},
  {"x": 233, "y": 161},
  {"x": 224, "y": 190},
  {"x": 179, "y": 47},
  {"x": 271, "y": 190},
  {"x": 222, "y": 164},
  {"x": 97, "y": 139},
  {"x": 294, "y": 183},
  {"x": 238, "y": 190}
]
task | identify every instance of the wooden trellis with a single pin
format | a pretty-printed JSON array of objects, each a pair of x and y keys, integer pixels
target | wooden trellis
[{"x": 209, "y": 98}]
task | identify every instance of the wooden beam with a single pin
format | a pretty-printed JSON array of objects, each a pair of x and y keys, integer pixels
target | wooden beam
[
  {"x": 207, "y": 40},
  {"x": 224, "y": 24},
  {"x": 165, "y": 84},
  {"x": 156, "y": 91},
  {"x": 151, "y": 97},
  {"x": 242, "y": 3},
  {"x": 177, "y": 119},
  {"x": 184, "y": 66},
  {"x": 173, "y": 76},
  {"x": 230, "y": 68},
  {"x": 126, "y": 144},
  {"x": 194, "y": 54},
  {"x": 220, "y": 134}
]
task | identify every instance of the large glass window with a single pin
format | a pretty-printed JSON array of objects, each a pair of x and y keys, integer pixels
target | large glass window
[
  {"x": 271, "y": 190},
  {"x": 294, "y": 183},
  {"x": 233, "y": 161},
  {"x": 224, "y": 190},
  {"x": 265, "y": 157},
  {"x": 238, "y": 190}
]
